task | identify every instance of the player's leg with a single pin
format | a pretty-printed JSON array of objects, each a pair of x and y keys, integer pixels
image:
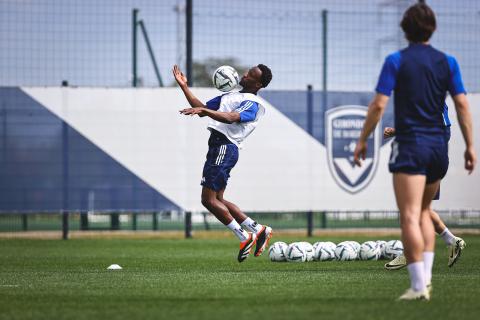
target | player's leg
[
  {"x": 428, "y": 231},
  {"x": 263, "y": 232},
  {"x": 455, "y": 244},
  {"x": 220, "y": 160},
  {"x": 409, "y": 190},
  {"x": 220, "y": 211}
]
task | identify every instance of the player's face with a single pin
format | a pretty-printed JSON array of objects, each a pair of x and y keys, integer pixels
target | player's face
[{"x": 252, "y": 79}]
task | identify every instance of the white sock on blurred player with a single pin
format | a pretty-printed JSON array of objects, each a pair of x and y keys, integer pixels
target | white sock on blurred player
[
  {"x": 251, "y": 225},
  {"x": 428, "y": 263},
  {"x": 417, "y": 276},
  {"x": 447, "y": 236},
  {"x": 239, "y": 232}
]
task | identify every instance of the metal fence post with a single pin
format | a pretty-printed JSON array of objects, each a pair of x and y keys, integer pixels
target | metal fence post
[
  {"x": 114, "y": 221},
  {"x": 65, "y": 226},
  {"x": 310, "y": 109},
  {"x": 324, "y": 58},
  {"x": 134, "y": 47},
  {"x": 134, "y": 221},
  {"x": 188, "y": 224},
  {"x": 189, "y": 40},
  {"x": 83, "y": 220},
  {"x": 25, "y": 222},
  {"x": 154, "y": 220},
  {"x": 309, "y": 223}
]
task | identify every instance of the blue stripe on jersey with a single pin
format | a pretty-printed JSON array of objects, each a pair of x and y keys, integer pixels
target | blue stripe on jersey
[
  {"x": 248, "y": 110},
  {"x": 456, "y": 84},
  {"x": 214, "y": 103}
]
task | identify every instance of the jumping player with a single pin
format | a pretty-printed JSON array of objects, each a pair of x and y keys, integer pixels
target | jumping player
[
  {"x": 420, "y": 77},
  {"x": 233, "y": 117}
]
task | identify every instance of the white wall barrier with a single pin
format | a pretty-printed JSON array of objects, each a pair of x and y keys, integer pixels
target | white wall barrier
[{"x": 281, "y": 168}]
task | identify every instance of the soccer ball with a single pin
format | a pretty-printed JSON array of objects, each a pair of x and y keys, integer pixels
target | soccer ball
[
  {"x": 225, "y": 78},
  {"x": 345, "y": 252},
  {"x": 277, "y": 251},
  {"x": 324, "y": 251},
  {"x": 369, "y": 251},
  {"x": 330, "y": 244},
  {"x": 393, "y": 249},
  {"x": 355, "y": 246},
  {"x": 296, "y": 253},
  {"x": 382, "y": 245},
  {"x": 316, "y": 244},
  {"x": 308, "y": 250}
]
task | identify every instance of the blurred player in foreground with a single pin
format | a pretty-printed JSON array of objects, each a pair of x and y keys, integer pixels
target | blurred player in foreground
[
  {"x": 420, "y": 76},
  {"x": 454, "y": 244},
  {"x": 233, "y": 117}
]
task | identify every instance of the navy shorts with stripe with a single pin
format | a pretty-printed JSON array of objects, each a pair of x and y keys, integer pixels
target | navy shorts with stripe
[
  {"x": 411, "y": 158},
  {"x": 221, "y": 158}
]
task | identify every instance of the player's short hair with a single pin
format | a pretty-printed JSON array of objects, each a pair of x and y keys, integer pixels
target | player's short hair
[
  {"x": 266, "y": 75},
  {"x": 418, "y": 23}
]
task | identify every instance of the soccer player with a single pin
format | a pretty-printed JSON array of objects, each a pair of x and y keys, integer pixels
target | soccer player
[
  {"x": 233, "y": 116},
  {"x": 455, "y": 244},
  {"x": 420, "y": 77}
]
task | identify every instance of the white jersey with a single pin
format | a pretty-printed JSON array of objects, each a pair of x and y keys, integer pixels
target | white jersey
[{"x": 240, "y": 102}]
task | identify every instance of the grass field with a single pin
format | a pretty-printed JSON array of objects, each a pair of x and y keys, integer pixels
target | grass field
[{"x": 200, "y": 279}]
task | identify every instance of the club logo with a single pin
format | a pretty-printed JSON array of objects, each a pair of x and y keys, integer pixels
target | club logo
[{"x": 343, "y": 126}]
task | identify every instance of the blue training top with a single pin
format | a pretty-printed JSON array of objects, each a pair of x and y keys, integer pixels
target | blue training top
[{"x": 420, "y": 76}]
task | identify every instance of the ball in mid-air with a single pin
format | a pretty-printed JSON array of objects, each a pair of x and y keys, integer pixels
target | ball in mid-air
[{"x": 225, "y": 78}]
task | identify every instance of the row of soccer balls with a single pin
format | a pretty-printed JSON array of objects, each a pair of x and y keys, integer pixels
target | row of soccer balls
[{"x": 327, "y": 251}]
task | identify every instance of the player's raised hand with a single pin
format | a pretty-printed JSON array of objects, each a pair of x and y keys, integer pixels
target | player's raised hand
[
  {"x": 388, "y": 132},
  {"x": 179, "y": 76},
  {"x": 193, "y": 111},
  {"x": 360, "y": 152},
  {"x": 470, "y": 159}
]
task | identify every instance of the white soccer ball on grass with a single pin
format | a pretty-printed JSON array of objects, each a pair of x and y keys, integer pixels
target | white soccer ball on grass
[
  {"x": 277, "y": 251},
  {"x": 393, "y": 249},
  {"x": 345, "y": 252},
  {"x": 369, "y": 250},
  {"x": 296, "y": 253},
  {"x": 324, "y": 251}
]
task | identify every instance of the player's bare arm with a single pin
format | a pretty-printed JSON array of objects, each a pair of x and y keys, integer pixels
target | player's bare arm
[
  {"x": 375, "y": 112},
  {"x": 225, "y": 117},
  {"x": 183, "y": 83},
  {"x": 465, "y": 120}
]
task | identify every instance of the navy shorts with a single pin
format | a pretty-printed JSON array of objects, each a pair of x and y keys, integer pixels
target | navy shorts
[
  {"x": 221, "y": 158},
  {"x": 412, "y": 158}
]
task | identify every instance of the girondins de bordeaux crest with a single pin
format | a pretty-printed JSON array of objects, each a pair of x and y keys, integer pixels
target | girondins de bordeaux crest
[{"x": 343, "y": 126}]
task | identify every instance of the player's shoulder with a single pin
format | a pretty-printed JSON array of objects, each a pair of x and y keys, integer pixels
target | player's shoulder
[{"x": 395, "y": 58}]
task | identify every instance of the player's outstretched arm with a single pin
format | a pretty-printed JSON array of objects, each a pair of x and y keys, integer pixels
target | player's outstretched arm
[
  {"x": 225, "y": 117},
  {"x": 465, "y": 120},
  {"x": 183, "y": 83}
]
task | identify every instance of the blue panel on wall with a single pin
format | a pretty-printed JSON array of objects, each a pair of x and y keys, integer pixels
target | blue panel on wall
[{"x": 32, "y": 165}]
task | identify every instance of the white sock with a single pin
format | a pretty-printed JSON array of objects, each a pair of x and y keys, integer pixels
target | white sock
[
  {"x": 239, "y": 232},
  {"x": 428, "y": 264},
  {"x": 251, "y": 225},
  {"x": 417, "y": 276},
  {"x": 447, "y": 236}
]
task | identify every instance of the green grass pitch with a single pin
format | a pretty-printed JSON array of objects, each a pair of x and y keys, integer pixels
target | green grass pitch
[{"x": 200, "y": 279}]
